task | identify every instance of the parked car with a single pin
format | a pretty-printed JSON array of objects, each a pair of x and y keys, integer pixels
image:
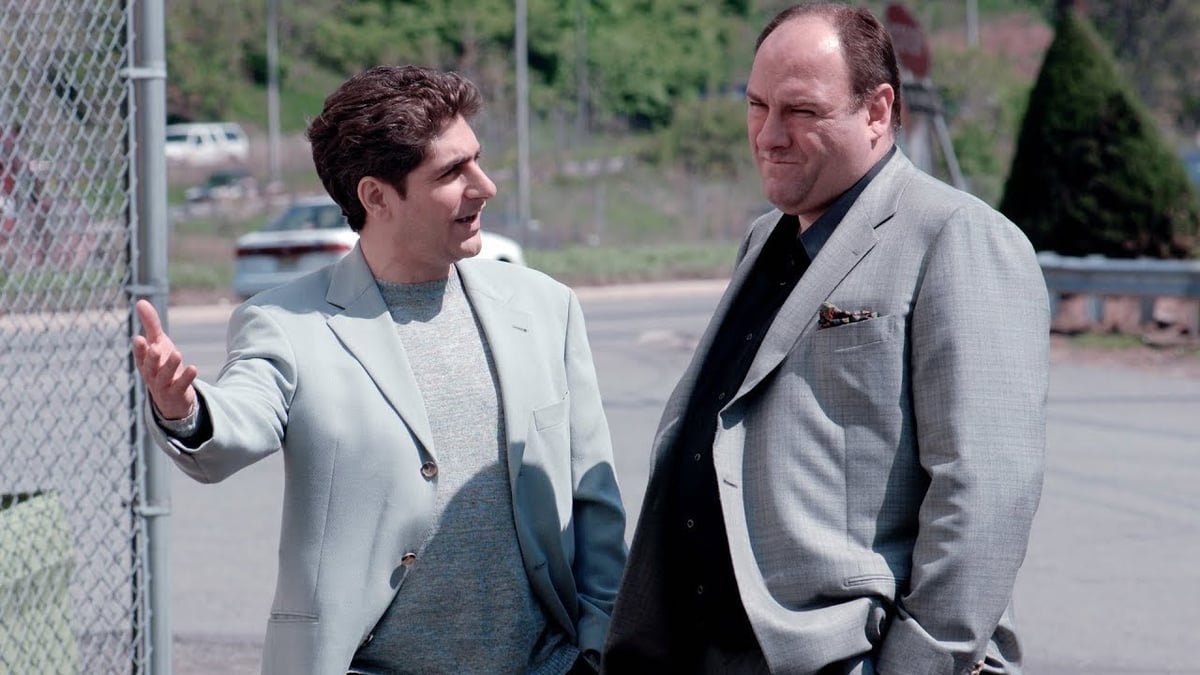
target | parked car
[
  {"x": 206, "y": 143},
  {"x": 313, "y": 233},
  {"x": 224, "y": 185}
]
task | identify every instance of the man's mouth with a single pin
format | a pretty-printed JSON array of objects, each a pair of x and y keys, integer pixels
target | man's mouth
[{"x": 469, "y": 218}]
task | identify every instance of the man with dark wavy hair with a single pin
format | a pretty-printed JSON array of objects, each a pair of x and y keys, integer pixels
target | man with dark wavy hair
[
  {"x": 450, "y": 503},
  {"x": 845, "y": 477}
]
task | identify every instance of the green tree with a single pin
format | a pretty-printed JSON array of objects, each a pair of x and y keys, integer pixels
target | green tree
[
  {"x": 647, "y": 55},
  {"x": 1092, "y": 173},
  {"x": 707, "y": 139},
  {"x": 210, "y": 47},
  {"x": 640, "y": 57}
]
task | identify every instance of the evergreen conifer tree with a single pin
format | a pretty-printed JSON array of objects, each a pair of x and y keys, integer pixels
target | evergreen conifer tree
[{"x": 1092, "y": 174}]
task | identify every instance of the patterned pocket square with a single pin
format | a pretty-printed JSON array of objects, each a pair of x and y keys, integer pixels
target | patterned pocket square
[{"x": 831, "y": 315}]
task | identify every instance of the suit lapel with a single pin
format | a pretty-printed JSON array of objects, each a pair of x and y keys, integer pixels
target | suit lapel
[
  {"x": 508, "y": 334},
  {"x": 849, "y": 243},
  {"x": 853, "y": 238},
  {"x": 368, "y": 332}
]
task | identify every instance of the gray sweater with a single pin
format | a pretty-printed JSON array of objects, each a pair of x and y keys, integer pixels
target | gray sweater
[{"x": 466, "y": 605}]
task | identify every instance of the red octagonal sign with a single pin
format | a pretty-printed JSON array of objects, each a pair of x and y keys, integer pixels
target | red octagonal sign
[{"x": 912, "y": 49}]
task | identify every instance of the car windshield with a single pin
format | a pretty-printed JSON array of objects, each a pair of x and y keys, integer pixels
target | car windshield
[{"x": 323, "y": 217}]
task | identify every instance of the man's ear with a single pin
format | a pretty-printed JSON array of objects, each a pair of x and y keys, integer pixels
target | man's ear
[
  {"x": 374, "y": 195},
  {"x": 879, "y": 110}
]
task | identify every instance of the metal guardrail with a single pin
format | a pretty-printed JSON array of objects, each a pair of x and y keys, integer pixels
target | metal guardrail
[
  {"x": 1147, "y": 278},
  {"x": 1097, "y": 275}
]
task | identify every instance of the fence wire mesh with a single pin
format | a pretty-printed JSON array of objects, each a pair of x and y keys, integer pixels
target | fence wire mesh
[{"x": 72, "y": 581}]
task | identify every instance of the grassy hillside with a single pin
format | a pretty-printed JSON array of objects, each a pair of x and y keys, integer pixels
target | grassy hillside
[{"x": 666, "y": 126}]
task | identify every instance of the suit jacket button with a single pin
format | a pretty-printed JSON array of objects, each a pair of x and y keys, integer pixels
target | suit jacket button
[
  {"x": 408, "y": 559},
  {"x": 429, "y": 470}
]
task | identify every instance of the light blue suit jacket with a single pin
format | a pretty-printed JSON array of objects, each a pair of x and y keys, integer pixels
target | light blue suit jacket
[
  {"x": 316, "y": 369},
  {"x": 877, "y": 479}
]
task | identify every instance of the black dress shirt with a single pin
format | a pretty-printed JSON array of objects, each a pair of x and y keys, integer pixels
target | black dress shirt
[{"x": 704, "y": 592}]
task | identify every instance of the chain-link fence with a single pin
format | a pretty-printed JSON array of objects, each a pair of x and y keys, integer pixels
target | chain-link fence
[{"x": 73, "y": 562}]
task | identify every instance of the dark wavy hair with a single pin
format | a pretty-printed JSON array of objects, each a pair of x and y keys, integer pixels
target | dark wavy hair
[
  {"x": 866, "y": 46},
  {"x": 380, "y": 123}
]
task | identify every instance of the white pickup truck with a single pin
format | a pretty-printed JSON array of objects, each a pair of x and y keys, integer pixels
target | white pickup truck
[{"x": 207, "y": 143}]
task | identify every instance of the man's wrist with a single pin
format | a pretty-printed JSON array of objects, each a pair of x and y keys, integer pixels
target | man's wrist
[
  {"x": 158, "y": 414},
  {"x": 182, "y": 428}
]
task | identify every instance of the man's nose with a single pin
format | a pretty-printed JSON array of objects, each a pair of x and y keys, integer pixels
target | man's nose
[
  {"x": 481, "y": 186},
  {"x": 771, "y": 133}
]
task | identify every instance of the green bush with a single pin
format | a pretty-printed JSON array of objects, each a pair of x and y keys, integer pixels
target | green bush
[
  {"x": 708, "y": 138},
  {"x": 1092, "y": 174}
]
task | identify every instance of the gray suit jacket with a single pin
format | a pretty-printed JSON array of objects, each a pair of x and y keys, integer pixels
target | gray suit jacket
[
  {"x": 316, "y": 369},
  {"x": 878, "y": 479}
]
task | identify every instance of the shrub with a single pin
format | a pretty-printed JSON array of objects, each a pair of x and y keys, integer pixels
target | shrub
[{"x": 1092, "y": 174}]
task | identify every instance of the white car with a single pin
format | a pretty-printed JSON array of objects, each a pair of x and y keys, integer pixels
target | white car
[
  {"x": 206, "y": 143},
  {"x": 313, "y": 233}
]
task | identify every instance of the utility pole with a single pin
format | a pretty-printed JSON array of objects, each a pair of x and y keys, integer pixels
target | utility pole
[
  {"x": 581, "y": 73},
  {"x": 523, "y": 209},
  {"x": 275, "y": 182},
  {"x": 972, "y": 23}
]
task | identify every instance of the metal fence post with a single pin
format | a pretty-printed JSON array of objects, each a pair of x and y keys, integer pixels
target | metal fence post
[{"x": 151, "y": 282}]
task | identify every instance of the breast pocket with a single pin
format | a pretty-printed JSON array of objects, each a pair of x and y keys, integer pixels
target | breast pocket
[
  {"x": 857, "y": 369},
  {"x": 857, "y": 335}
]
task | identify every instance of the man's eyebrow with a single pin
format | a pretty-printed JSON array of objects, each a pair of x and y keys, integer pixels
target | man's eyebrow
[{"x": 456, "y": 161}]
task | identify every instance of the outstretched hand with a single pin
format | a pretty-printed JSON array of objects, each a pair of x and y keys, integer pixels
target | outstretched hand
[{"x": 168, "y": 381}]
